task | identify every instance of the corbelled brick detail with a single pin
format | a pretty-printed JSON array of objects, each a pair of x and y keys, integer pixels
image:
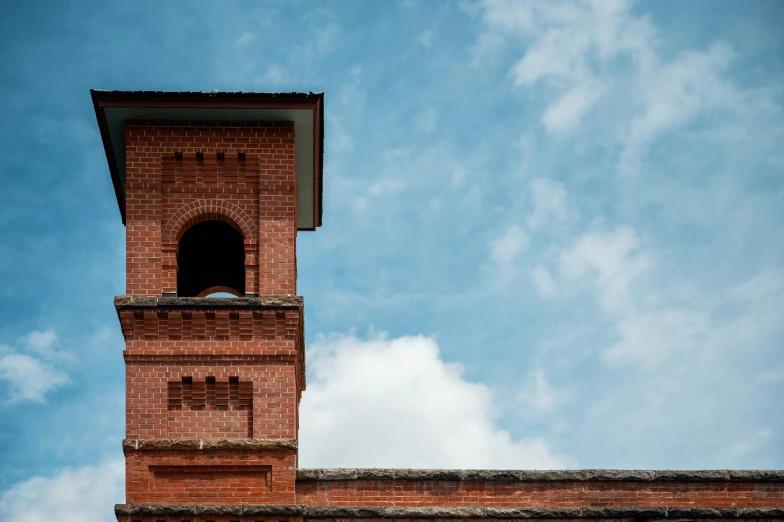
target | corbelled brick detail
[{"x": 245, "y": 325}]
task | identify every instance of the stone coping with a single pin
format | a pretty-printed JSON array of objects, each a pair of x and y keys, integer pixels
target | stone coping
[
  {"x": 133, "y": 302},
  {"x": 207, "y": 444},
  {"x": 580, "y": 475},
  {"x": 662, "y": 513}
]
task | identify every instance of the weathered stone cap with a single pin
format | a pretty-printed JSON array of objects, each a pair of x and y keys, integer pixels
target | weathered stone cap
[
  {"x": 580, "y": 475},
  {"x": 124, "y": 302},
  {"x": 308, "y": 512},
  {"x": 207, "y": 444}
]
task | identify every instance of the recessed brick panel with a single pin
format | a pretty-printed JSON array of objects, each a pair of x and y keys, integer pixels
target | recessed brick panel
[{"x": 225, "y": 476}]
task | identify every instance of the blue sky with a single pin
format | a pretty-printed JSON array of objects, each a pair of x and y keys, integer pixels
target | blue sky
[{"x": 552, "y": 231}]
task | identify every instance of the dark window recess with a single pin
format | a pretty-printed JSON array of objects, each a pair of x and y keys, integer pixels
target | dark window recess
[
  {"x": 210, "y": 394},
  {"x": 211, "y": 257}
]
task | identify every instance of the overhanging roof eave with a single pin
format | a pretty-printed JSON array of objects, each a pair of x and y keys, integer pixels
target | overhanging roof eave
[{"x": 103, "y": 100}]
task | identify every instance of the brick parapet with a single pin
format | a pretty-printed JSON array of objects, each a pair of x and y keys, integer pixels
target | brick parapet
[{"x": 534, "y": 489}]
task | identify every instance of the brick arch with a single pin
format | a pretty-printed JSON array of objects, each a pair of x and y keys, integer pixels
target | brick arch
[{"x": 204, "y": 210}]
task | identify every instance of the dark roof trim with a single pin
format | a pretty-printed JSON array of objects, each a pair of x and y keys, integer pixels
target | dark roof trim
[
  {"x": 579, "y": 475},
  {"x": 214, "y": 100},
  {"x": 370, "y": 512}
]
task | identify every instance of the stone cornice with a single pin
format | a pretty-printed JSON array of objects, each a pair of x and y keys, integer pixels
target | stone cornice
[
  {"x": 271, "y": 302},
  {"x": 130, "y": 445},
  {"x": 646, "y": 514},
  {"x": 579, "y": 475}
]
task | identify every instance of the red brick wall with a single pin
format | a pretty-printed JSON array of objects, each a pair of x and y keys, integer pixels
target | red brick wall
[
  {"x": 218, "y": 477},
  {"x": 539, "y": 494},
  {"x": 178, "y": 173}
]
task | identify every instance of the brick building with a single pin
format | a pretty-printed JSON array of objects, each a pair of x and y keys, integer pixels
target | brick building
[{"x": 213, "y": 189}]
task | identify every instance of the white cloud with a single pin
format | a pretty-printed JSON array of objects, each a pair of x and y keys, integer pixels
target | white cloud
[
  {"x": 549, "y": 202},
  {"x": 31, "y": 376},
  {"x": 650, "y": 337},
  {"x": 85, "y": 494},
  {"x": 245, "y": 38},
  {"x": 575, "y": 46},
  {"x": 565, "y": 42},
  {"x": 538, "y": 395},
  {"x": 543, "y": 282},
  {"x": 673, "y": 94},
  {"x": 760, "y": 286},
  {"x": 566, "y": 113},
  {"x": 613, "y": 259},
  {"x": 652, "y": 326},
  {"x": 506, "y": 248},
  {"x": 41, "y": 342},
  {"x": 647, "y": 335},
  {"x": 394, "y": 403}
]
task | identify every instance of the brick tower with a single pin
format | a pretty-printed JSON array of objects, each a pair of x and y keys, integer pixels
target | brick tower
[{"x": 212, "y": 189}]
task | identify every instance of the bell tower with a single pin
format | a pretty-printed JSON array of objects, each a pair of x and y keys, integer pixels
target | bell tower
[{"x": 212, "y": 189}]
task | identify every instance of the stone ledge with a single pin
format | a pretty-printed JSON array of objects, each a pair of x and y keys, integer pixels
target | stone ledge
[
  {"x": 125, "y": 302},
  {"x": 208, "y": 509},
  {"x": 648, "y": 514},
  {"x": 207, "y": 444},
  {"x": 578, "y": 475}
]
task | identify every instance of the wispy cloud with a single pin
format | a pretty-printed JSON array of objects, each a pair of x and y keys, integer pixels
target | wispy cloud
[
  {"x": 425, "y": 38},
  {"x": 245, "y": 38},
  {"x": 505, "y": 249},
  {"x": 548, "y": 199},
  {"x": 539, "y": 395},
  {"x": 83, "y": 494},
  {"x": 30, "y": 370}
]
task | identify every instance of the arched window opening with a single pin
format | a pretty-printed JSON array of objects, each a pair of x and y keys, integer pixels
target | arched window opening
[{"x": 211, "y": 256}]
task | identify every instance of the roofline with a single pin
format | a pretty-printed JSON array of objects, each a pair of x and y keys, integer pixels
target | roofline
[{"x": 214, "y": 100}]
